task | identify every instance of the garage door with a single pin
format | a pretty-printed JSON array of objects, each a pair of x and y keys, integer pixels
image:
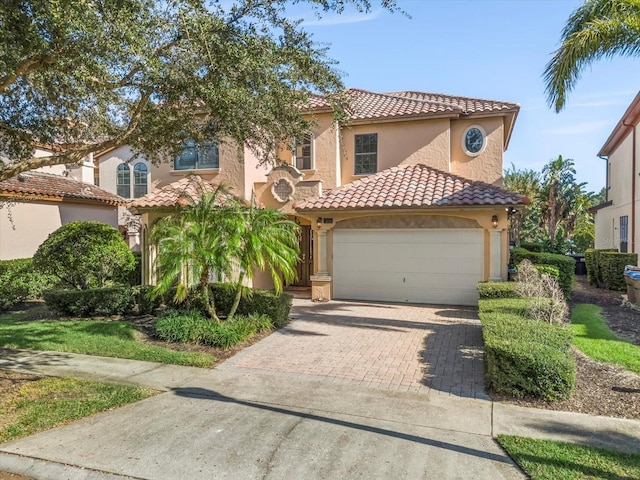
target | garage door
[{"x": 440, "y": 266}]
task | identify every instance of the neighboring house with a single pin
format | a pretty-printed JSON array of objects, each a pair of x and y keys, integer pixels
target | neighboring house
[
  {"x": 404, "y": 204},
  {"x": 34, "y": 204},
  {"x": 616, "y": 220}
]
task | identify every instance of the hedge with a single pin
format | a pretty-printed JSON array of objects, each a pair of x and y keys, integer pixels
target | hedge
[
  {"x": 612, "y": 264},
  {"x": 20, "y": 282},
  {"x": 553, "y": 272},
  {"x": 592, "y": 261},
  {"x": 143, "y": 299},
  {"x": 566, "y": 265},
  {"x": 532, "y": 247},
  {"x": 497, "y": 290},
  {"x": 85, "y": 303},
  {"x": 525, "y": 358}
]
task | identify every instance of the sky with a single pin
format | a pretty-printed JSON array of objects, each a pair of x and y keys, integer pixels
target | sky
[{"x": 495, "y": 49}]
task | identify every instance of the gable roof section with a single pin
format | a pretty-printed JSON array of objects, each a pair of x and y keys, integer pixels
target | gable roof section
[
  {"x": 414, "y": 186},
  {"x": 42, "y": 186},
  {"x": 176, "y": 193},
  {"x": 623, "y": 128}
]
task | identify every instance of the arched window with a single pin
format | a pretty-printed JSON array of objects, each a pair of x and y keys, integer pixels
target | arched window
[
  {"x": 140, "y": 180},
  {"x": 123, "y": 181}
]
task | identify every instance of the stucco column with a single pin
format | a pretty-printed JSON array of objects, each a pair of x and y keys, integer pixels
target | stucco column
[
  {"x": 495, "y": 255},
  {"x": 322, "y": 253},
  {"x": 321, "y": 281}
]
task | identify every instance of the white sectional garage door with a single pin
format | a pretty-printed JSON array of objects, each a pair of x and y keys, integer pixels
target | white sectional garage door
[{"x": 439, "y": 266}]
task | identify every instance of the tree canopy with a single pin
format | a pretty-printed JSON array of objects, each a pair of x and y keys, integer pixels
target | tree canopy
[
  {"x": 596, "y": 29},
  {"x": 81, "y": 76}
]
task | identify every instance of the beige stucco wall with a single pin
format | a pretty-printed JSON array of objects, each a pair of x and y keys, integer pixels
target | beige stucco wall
[
  {"x": 400, "y": 143},
  {"x": 34, "y": 222},
  {"x": 230, "y": 173},
  {"x": 108, "y": 169},
  {"x": 487, "y": 166}
]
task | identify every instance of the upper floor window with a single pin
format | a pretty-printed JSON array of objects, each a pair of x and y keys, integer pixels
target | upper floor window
[
  {"x": 196, "y": 156},
  {"x": 303, "y": 153},
  {"x": 123, "y": 181},
  {"x": 140, "y": 180},
  {"x": 366, "y": 154}
]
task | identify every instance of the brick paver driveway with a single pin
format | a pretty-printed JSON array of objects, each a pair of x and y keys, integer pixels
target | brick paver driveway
[{"x": 418, "y": 348}]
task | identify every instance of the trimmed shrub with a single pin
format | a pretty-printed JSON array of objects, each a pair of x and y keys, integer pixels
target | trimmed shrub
[
  {"x": 262, "y": 302},
  {"x": 145, "y": 301},
  {"x": 513, "y": 306},
  {"x": 497, "y": 290},
  {"x": 192, "y": 327},
  {"x": 20, "y": 282},
  {"x": 611, "y": 266},
  {"x": 85, "y": 255},
  {"x": 532, "y": 246},
  {"x": 565, "y": 265},
  {"x": 523, "y": 357},
  {"x": 553, "y": 272},
  {"x": 85, "y": 303},
  {"x": 593, "y": 264}
]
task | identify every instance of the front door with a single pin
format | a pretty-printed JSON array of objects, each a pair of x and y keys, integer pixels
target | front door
[{"x": 305, "y": 263}]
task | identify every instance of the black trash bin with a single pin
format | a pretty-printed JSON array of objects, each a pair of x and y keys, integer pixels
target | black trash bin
[{"x": 581, "y": 266}]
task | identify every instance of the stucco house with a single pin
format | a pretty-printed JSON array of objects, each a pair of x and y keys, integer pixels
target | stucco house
[
  {"x": 403, "y": 204},
  {"x": 36, "y": 203},
  {"x": 616, "y": 220}
]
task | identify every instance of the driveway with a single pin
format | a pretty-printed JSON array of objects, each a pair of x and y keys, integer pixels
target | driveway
[{"x": 410, "y": 348}]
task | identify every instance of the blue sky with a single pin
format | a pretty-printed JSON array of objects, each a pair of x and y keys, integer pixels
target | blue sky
[{"x": 487, "y": 49}]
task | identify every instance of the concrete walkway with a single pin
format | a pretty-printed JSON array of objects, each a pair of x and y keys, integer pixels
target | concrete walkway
[{"x": 246, "y": 419}]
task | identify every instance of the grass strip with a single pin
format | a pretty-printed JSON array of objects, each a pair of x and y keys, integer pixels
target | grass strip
[
  {"x": 593, "y": 337},
  {"x": 48, "y": 402},
  {"x": 546, "y": 459},
  {"x": 91, "y": 337}
]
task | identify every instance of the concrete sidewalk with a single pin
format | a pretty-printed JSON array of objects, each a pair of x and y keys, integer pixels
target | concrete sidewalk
[{"x": 230, "y": 423}]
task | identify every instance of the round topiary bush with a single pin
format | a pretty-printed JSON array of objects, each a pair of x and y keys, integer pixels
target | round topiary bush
[{"x": 85, "y": 255}]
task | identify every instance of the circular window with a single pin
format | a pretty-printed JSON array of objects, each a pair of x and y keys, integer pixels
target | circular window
[{"x": 474, "y": 140}]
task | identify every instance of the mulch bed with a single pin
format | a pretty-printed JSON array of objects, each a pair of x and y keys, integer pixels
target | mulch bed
[{"x": 601, "y": 389}]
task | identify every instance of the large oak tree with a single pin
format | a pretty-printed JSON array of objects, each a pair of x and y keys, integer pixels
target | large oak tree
[{"x": 80, "y": 76}]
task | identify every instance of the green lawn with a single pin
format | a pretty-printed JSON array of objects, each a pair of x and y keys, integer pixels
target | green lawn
[
  {"x": 90, "y": 337},
  {"x": 48, "y": 402},
  {"x": 545, "y": 459},
  {"x": 594, "y": 339}
]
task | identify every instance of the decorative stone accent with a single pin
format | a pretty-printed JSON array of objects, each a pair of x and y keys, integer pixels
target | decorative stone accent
[
  {"x": 407, "y": 221},
  {"x": 282, "y": 190}
]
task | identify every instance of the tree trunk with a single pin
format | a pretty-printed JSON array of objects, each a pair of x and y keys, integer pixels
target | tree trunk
[
  {"x": 208, "y": 300},
  {"x": 236, "y": 301}
]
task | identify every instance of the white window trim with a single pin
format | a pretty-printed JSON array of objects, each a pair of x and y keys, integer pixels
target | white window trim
[
  {"x": 313, "y": 154},
  {"x": 464, "y": 143},
  {"x": 355, "y": 154}
]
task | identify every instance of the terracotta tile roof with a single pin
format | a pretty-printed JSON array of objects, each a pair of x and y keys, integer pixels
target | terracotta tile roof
[
  {"x": 176, "y": 193},
  {"x": 365, "y": 105},
  {"x": 412, "y": 186},
  {"x": 38, "y": 184}
]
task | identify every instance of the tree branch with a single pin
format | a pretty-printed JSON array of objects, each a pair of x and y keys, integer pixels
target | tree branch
[{"x": 26, "y": 67}]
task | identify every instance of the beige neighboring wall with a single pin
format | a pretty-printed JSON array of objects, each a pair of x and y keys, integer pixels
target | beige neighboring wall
[
  {"x": 487, "y": 166},
  {"x": 400, "y": 143},
  {"x": 34, "y": 221},
  {"x": 108, "y": 168},
  {"x": 607, "y": 224}
]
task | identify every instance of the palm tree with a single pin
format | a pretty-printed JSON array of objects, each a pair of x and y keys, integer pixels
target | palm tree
[
  {"x": 192, "y": 246},
  {"x": 597, "y": 29},
  {"x": 522, "y": 222},
  {"x": 560, "y": 200},
  {"x": 262, "y": 239}
]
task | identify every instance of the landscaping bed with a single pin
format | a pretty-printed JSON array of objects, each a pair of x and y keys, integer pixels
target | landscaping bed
[{"x": 601, "y": 389}]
